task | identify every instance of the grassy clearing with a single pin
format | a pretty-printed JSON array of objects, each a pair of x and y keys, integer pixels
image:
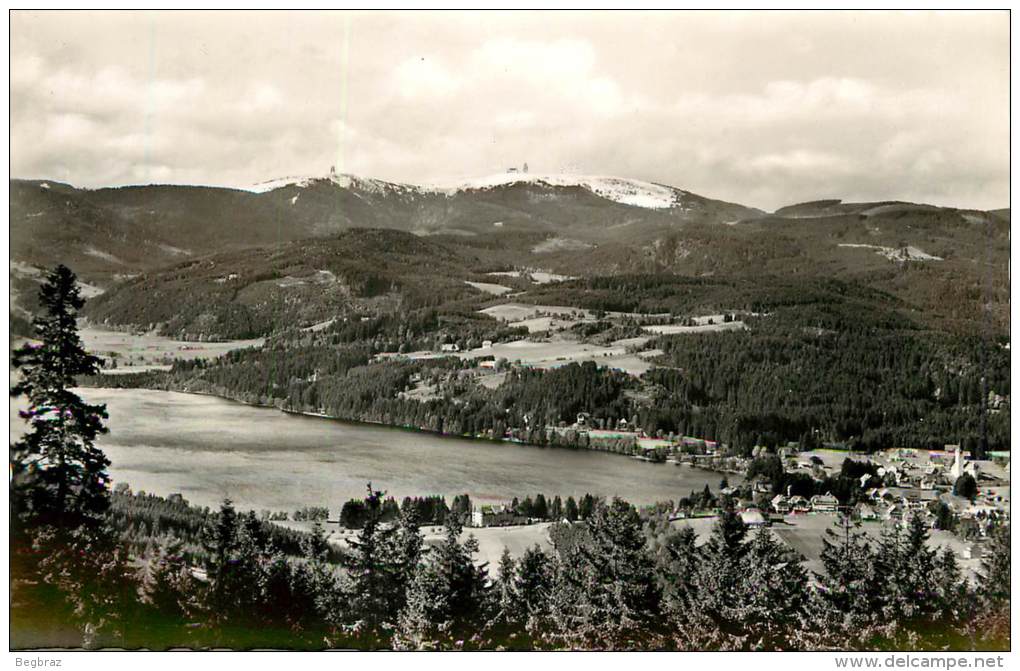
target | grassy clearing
[
  {"x": 494, "y": 289},
  {"x": 144, "y": 351}
]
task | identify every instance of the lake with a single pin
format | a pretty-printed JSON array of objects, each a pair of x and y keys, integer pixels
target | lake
[{"x": 208, "y": 448}]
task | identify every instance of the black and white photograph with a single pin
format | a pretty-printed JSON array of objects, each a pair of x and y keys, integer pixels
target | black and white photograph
[{"x": 590, "y": 330}]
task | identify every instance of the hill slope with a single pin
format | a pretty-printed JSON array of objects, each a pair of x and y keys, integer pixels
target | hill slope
[
  {"x": 111, "y": 232},
  {"x": 948, "y": 262},
  {"x": 257, "y": 291}
]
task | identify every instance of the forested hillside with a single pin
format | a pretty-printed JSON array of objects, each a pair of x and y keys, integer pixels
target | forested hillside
[
  {"x": 832, "y": 364},
  {"x": 363, "y": 272}
]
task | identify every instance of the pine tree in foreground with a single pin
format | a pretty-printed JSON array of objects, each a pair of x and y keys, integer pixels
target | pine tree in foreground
[
  {"x": 606, "y": 596},
  {"x": 720, "y": 583},
  {"x": 775, "y": 604},
  {"x": 847, "y": 603},
  {"x": 446, "y": 600},
  {"x": 991, "y": 628},
  {"x": 69, "y": 571}
]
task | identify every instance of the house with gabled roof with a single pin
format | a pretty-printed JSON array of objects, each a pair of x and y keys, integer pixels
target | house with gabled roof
[
  {"x": 799, "y": 504},
  {"x": 824, "y": 503}
]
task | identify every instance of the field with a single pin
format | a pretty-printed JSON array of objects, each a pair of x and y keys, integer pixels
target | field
[
  {"x": 515, "y": 312},
  {"x": 541, "y": 324},
  {"x": 535, "y": 276},
  {"x": 494, "y": 289},
  {"x": 804, "y": 532},
  {"x": 491, "y": 540},
  {"x": 673, "y": 329},
  {"x": 540, "y": 318},
  {"x": 554, "y": 353},
  {"x": 137, "y": 352}
]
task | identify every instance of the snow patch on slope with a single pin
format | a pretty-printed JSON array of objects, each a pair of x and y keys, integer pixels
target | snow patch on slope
[
  {"x": 100, "y": 254},
  {"x": 174, "y": 251},
  {"x": 344, "y": 181},
  {"x": 279, "y": 183},
  {"x": 633, "y": 192}
]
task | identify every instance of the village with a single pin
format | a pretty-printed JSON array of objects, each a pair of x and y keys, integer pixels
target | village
[
  {"x": 901, "y": 483},
  {"x": 905, "y": 480}
]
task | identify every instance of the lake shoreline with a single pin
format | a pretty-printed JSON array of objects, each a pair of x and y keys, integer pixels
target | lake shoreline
[
  {"x": 207, "y": 447},
  {"x": 404, "y": 428}
]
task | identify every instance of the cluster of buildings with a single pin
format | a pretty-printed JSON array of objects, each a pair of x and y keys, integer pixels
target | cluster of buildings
[
  {"x": 498, "y": 515},
  {"x": 913, "y": 482},
  {"x": 821, "y": 503}
]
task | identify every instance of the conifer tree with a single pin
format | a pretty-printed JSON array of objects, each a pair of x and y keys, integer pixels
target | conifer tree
[
  {"x": 533, "y": 585},
  {"x": 220, "y": 541},
  {"x": 446, "y": 598},
  {"x": 316, "y": 578},
  {"x": 720, "y": 587},
  {"x": 59, "y": 477},
  {"x": 504, "y": 629},
  {"x": 407, "y": 552},
  {"x": 370, "y": 569},
  {"x": 991, "y": 627},
  {"x": 570, "y": 509},
  {"x": 848, "y": 600},
  {"x": 556, "y": 509},
  {"x": 677, "y": 569},
  {"x": 775, "y": 595},
  {"x": 954, "y": 593},
  {"x": 607, "y": 596},
  {"x": 993, "y": 580},
  {"x": 540, "y": 509},
  {"x": 505, "y": 587},
  {"x": 920, "y": 587},
  {"x": 168, "y": 586},
  {"x": 67, "y": 563}
]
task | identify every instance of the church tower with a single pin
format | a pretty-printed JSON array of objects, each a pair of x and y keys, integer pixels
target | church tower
[{"x": 957, "y": 463}]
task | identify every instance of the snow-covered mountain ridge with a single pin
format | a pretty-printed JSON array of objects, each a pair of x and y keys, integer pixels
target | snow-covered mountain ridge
[{"x": 633, "y": 192}]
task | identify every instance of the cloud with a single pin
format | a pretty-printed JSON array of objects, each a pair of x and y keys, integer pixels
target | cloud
[
  {"x": 763, "y": 109},
  {"x": 532, "y": 59},
  {"x": 420, "y": 77},
  {"x": 798, "y": 163}
]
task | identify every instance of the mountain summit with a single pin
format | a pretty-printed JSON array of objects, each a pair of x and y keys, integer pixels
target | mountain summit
[{"x": 625, "y": 191}]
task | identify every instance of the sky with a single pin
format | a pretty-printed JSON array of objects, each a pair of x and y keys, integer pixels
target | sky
[{"x": 761, "y": 108}]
